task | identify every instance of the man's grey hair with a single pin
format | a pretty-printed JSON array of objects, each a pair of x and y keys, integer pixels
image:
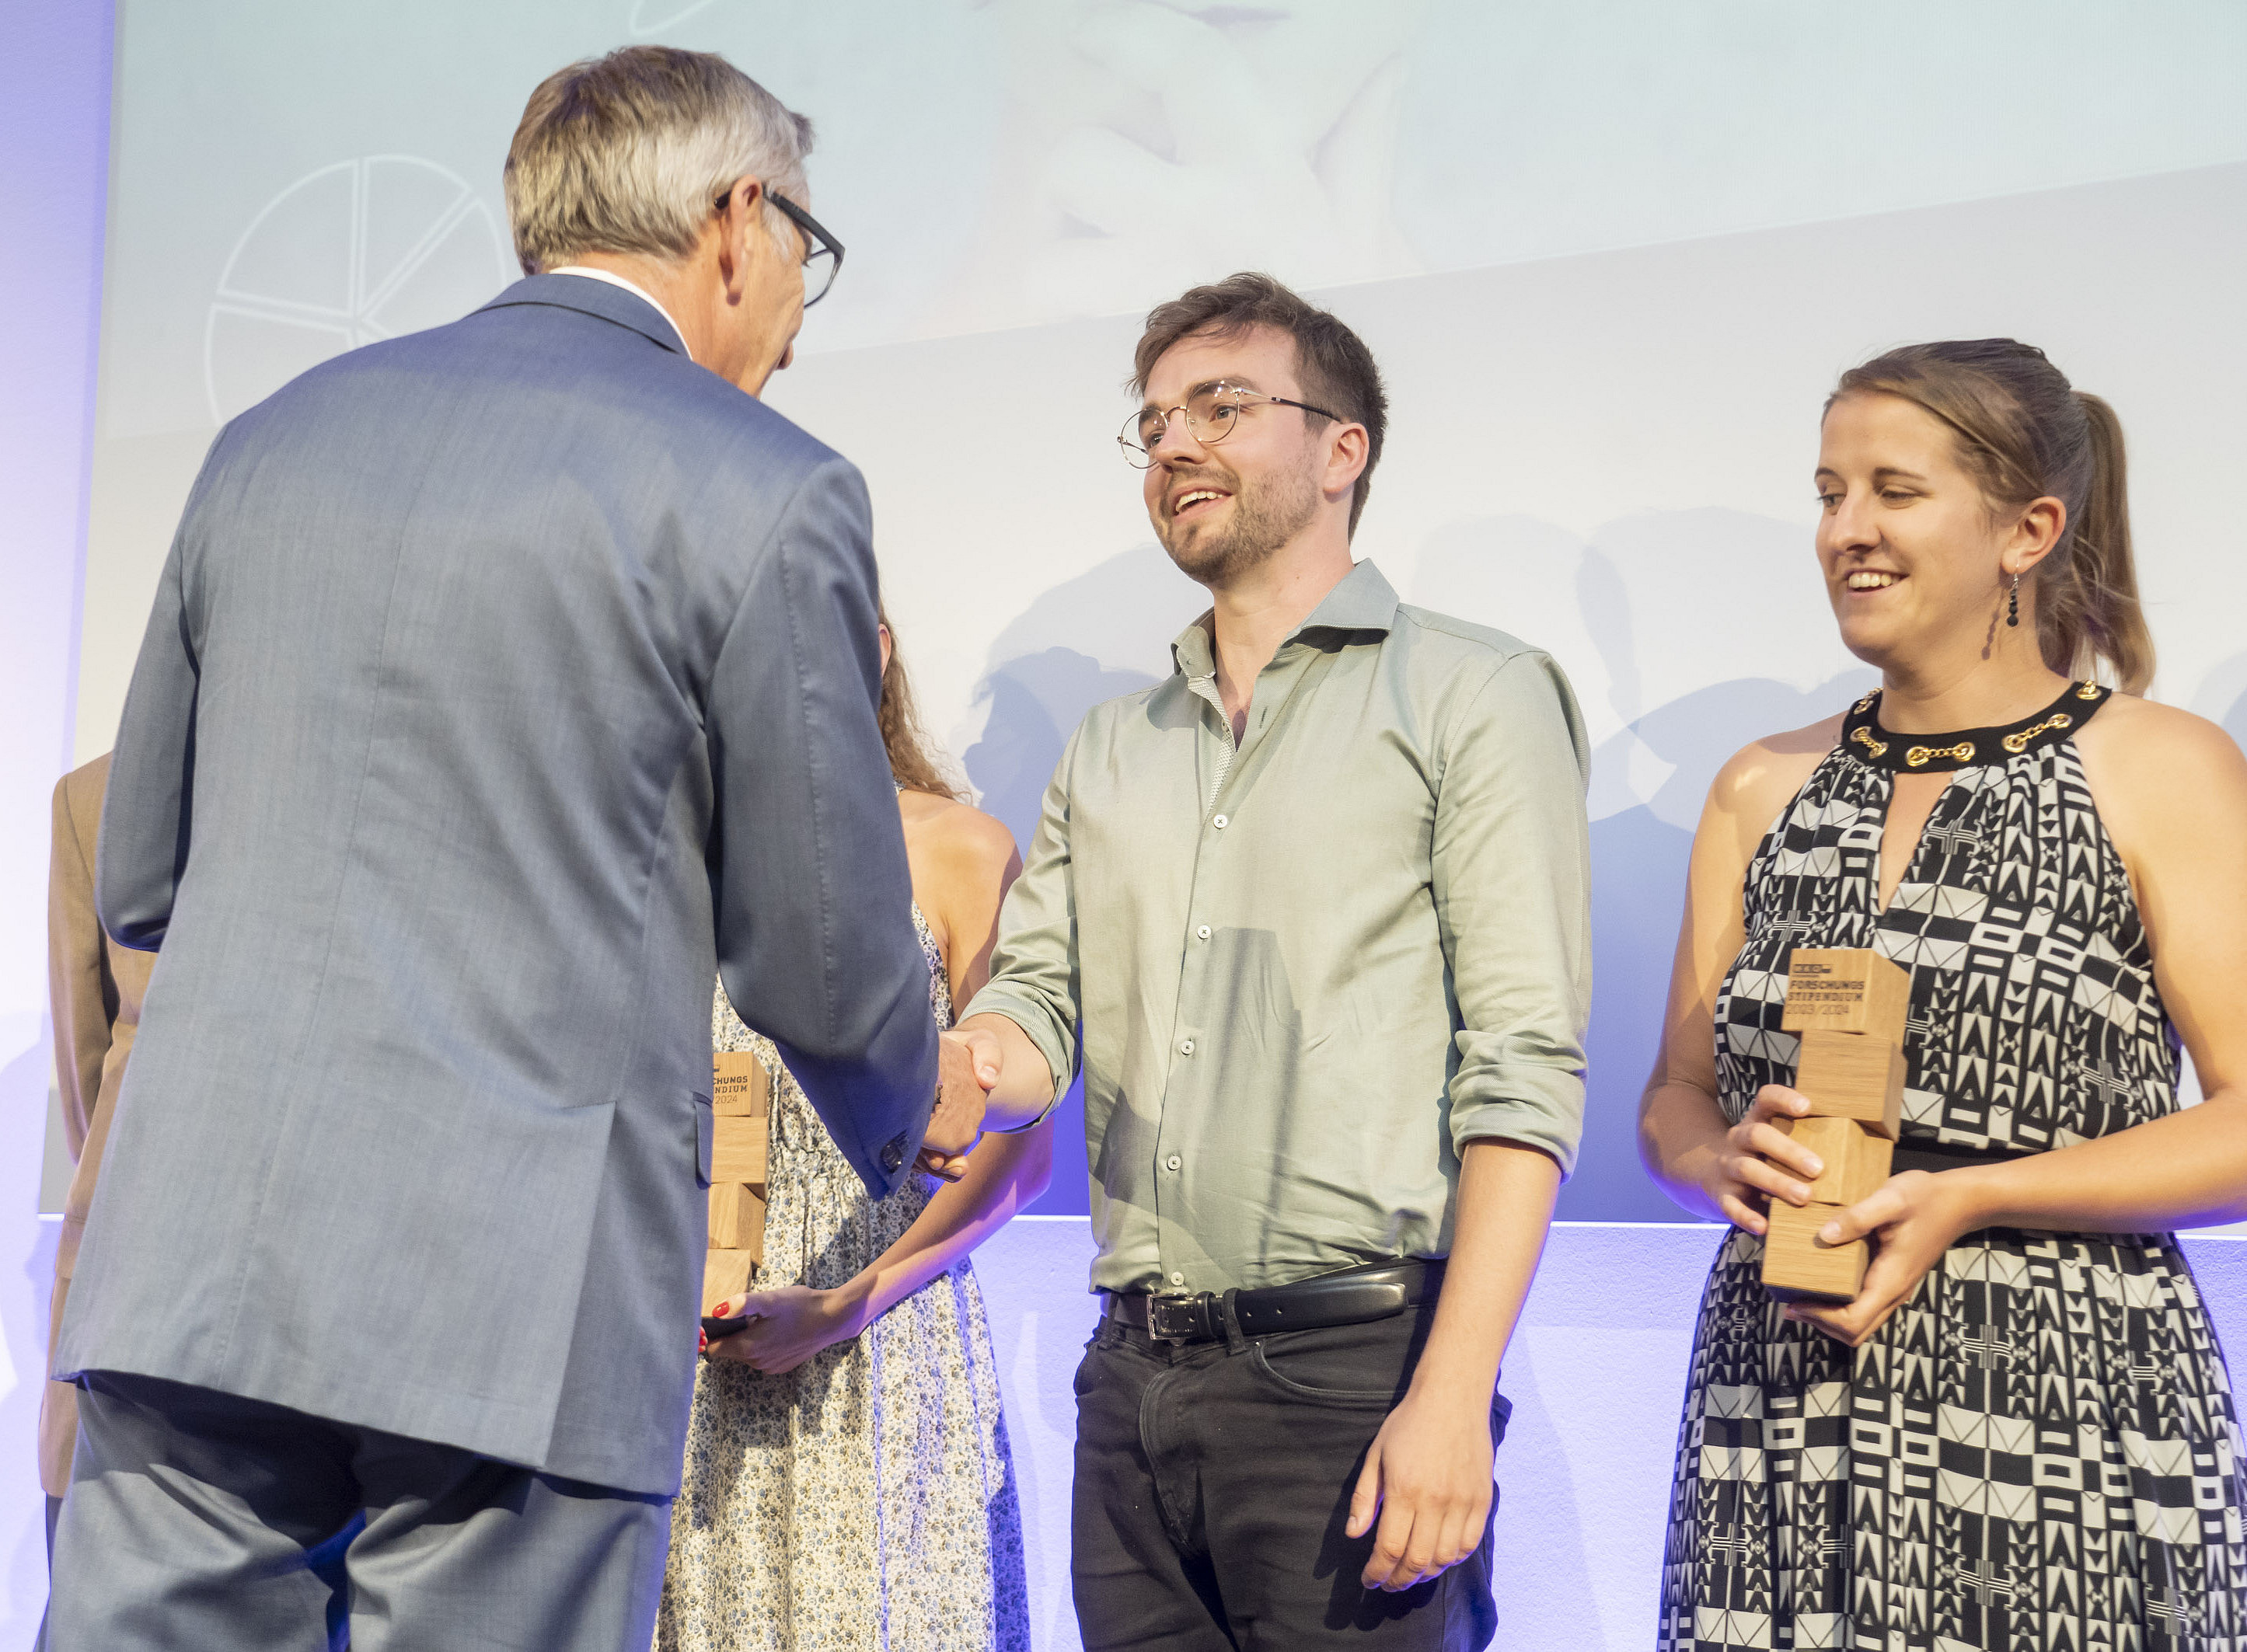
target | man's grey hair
[{"x": 629, "y": 152}]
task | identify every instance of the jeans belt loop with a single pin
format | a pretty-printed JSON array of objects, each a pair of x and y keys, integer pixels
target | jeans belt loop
[{"x": 1235, "y": 1342}]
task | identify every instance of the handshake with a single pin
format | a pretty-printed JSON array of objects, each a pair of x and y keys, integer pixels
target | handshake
[{"x": 972, "y": 1060}]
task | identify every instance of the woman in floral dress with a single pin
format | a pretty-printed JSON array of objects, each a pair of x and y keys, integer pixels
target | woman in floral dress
[{"x": 848, "y": 1482}]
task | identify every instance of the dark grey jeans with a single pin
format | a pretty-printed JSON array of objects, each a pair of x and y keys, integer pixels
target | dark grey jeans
[
  {"x": 201, "y": 1522},
  {"x": 1213, "y": 1484}
]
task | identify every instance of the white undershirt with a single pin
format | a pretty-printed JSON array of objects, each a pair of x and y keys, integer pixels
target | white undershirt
[{"x": 631, "y": 287}]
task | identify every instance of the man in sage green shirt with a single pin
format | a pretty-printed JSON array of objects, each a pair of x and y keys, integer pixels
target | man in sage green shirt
[{"x": 1318, "y": 903}]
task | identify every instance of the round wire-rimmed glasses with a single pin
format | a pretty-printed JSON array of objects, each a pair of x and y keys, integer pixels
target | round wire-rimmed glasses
[
  {"x": 822, "y": 253},
  {"x": 1213, "y": 411}
]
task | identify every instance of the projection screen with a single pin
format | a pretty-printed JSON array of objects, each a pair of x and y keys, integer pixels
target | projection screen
[{"x": 1611, "y": 258}]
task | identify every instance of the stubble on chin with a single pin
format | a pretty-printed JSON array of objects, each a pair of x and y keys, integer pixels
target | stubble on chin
[{"x": 1265, "y": 517}]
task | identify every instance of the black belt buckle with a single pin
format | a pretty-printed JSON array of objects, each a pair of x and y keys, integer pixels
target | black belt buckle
[{"x": 1180, "y": 1318}]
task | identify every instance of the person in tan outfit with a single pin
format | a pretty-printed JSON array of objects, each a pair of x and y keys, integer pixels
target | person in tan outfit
[{"x": 96, "y": 988}]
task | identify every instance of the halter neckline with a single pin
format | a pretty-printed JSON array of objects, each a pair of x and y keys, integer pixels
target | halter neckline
[{"x": 1864, "y": 738}]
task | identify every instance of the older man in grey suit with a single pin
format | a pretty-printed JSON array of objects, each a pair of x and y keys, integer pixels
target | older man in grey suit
[{"x": 504, "y": 681}]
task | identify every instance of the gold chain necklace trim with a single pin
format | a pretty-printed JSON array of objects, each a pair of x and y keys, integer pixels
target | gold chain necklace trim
[
  {"x": 2017, "y": 743},
  {"x": 1919, "y": 755},
  {"x": 1866, "y": 741}
]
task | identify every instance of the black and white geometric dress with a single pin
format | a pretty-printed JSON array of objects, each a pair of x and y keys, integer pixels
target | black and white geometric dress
[{"x": 2037, "y": 1452}]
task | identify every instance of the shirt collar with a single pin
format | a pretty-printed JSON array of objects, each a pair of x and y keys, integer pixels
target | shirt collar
[
  {"x": 630, "y": 286},
  {"x": 1361, "y": 600}
]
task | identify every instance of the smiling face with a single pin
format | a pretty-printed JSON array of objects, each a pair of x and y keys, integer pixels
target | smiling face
[
  {"x": 1225, "y": 510},
  {"x": 1916, "y": 562}
]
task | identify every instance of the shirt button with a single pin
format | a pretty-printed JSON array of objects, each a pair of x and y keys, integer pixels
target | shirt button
[
  {"x": 1202, "y": 933},
  {"x": 1185, "y": 1047},
  {"x": 1177, "y": 1279},
  {"x": 1218, "y": 823},
  {"x": 1174, "y": 1161}
]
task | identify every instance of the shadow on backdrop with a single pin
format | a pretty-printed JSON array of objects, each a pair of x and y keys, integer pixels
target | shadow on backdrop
[
  {"x": 1104, "y": 633},
  {"x": 1626, "y": 614},
  {"x": 1638, "y": 898},
  {"x": 2222, "y": 697}
]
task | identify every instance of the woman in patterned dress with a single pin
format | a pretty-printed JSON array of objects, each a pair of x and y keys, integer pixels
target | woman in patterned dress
[
  {"x": 848, "y": 1482},
  {"x": 2020, "y": 1434}
]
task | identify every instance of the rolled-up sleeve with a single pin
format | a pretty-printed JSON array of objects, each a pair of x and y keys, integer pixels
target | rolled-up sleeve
[
  {"x": 1034, "y": 976},
  {"x": 1511, "y": 860}
]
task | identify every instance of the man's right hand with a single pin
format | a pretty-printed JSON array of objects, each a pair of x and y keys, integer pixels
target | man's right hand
[{"x": 968, "y": 1066}]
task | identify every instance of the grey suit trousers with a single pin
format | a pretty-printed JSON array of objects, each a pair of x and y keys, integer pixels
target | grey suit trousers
[{"x": 199, "y": 1521}]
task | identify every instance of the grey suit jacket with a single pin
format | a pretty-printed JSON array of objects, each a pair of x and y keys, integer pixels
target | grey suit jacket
[{"x": 504, "y": 681}]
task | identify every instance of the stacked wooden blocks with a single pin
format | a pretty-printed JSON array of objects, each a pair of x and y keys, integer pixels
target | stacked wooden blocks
[
  {"x": 741, "y": 1100},
  {"x": 1848, "y": 1008}
]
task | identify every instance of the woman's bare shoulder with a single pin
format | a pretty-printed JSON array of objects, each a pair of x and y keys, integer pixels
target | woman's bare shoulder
[
  {"x": 2141, "y": 756},
  {"x": 1756, "y": 780},
  {"x": 2138, "y": 732},
  {"x": 964, "y": 841}
]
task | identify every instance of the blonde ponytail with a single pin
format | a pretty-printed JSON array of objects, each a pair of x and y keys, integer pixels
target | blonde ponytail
[{"x": 2088, "y": 607}]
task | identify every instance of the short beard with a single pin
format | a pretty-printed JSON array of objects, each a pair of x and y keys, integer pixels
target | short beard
[{"x": 1265, "y": 517}]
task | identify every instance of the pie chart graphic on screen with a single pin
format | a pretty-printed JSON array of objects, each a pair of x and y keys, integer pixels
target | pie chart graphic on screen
[{"x": 356, "y": 251}]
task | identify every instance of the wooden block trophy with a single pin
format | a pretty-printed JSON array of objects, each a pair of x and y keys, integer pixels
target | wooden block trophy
[
  {"x": 1849, "y": 1008},
  {"x": 741, "y": 1103}
]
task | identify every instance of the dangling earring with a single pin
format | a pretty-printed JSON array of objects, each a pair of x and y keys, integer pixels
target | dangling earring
[{"x": 2013, "y": 602}]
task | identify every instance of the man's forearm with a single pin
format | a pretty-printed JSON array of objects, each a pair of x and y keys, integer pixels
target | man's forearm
[
  {"x": 1427, "y": 1476},
  {"x": 1505, "y": 1208},
  {"x": 1026, "y": 1083}
]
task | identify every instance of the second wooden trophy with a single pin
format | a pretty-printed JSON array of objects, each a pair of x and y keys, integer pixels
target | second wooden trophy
[{"x": 741, "y": 1097}]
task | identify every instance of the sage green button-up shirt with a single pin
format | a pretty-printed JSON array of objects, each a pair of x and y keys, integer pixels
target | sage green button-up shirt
[{"x": 1309, "y": 969}]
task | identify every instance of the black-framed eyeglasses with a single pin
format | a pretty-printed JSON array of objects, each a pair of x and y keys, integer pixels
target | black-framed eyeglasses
[
  {"x": 822, "y": 253},
  {"x": 1213, "y": 411}
]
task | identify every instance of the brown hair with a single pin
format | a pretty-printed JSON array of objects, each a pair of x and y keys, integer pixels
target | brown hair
[
  {"x": 2024, "y": 433},
  {"x": 913, "y": 763},
  {"x": 628, "y": 152},
  {"x": 1336, "y": 369}
]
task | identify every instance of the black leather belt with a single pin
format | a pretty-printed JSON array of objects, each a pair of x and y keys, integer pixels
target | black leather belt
[
  {"x": 1354, "y": 1296},
  {"x": 1936, "y": 1156}
]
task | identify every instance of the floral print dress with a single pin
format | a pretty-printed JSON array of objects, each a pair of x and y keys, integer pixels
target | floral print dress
[{"x": 866, "y": 1500}]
